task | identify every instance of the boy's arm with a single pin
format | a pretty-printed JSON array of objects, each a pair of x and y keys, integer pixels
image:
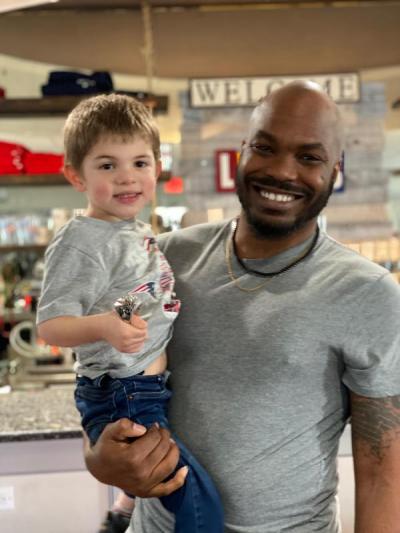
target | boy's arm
[{"x": 72, "y": 331}]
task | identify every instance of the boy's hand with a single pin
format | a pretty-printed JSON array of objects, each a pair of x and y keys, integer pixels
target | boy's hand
[{"x": 124, "y": 336}]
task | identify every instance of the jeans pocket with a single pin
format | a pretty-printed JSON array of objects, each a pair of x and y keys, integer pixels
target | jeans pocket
[
  {"x": 148, "y": 407},
  {"x": 95, "y": 405}
]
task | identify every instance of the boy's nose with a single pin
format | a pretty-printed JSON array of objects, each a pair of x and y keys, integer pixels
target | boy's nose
[{"x": 126, "y": 176}]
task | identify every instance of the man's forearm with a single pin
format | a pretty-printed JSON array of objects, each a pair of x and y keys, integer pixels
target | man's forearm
[{"x": 377, "y": 508}]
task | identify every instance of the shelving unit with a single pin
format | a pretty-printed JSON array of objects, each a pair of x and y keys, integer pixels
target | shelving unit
[
  {"x": 60, "y": 105},
  {"x": 47, "y": 179},
  {"x": 385, "y": 252},
  {"x": 39, "y": 248},
  {"x": 32, "y": 179}
]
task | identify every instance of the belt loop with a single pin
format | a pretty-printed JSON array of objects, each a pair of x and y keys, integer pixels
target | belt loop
[{"x": 99, "y": 380}]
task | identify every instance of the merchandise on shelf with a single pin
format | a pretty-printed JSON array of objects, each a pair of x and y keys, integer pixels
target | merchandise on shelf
[
  {"x": 17, "y": 159},
  {"x": 61, "y": 83},
  {"x": 385, "y": 252},
  {"x": 11, "y": 158},
  {"x": 43, "y": 163}
]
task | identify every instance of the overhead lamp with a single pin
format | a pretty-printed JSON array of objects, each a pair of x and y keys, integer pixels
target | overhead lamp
[{"x": 14, "y": 5}]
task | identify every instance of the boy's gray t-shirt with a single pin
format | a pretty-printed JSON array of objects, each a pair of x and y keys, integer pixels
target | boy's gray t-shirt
[
  {"x": 89, "y": 265},
  {"x": 261, "y": 379}
]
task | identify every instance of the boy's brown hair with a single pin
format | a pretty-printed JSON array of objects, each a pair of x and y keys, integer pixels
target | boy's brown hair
[{"x": 107, "y": 114}]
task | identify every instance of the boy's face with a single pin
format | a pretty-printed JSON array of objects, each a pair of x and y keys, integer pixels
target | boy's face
[{"x": 119, "y": 177}]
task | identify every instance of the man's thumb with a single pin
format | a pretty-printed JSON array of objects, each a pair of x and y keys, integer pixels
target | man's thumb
[{"x": 123, "y": 429}]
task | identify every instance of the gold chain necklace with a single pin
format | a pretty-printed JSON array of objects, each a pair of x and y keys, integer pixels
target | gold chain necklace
[{"x": 228, "y": 259}]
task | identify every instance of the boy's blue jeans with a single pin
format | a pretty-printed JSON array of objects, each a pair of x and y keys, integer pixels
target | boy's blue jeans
[{"x": 144, "y": 399}]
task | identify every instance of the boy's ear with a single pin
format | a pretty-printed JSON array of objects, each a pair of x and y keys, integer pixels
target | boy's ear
[
  {"x": 158, "y": 168},
  {"x": 74, "y": 178}
]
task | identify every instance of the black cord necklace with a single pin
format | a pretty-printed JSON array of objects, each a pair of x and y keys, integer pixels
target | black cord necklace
[{"x": 271, "y": 274}]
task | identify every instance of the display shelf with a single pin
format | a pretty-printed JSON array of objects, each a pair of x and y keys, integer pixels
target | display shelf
[
  {"x": 47, "y": 179},
  {"x": 32, "y": 179},
  {"x": 7, "y": 248},
  {"x": 60, "y": 105}
]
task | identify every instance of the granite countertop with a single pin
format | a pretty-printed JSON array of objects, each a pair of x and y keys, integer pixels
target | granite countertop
[{"x": 39, "y": 415}]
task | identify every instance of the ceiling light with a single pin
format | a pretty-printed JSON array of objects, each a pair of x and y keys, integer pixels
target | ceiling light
[{"x": 13, "y": 5}]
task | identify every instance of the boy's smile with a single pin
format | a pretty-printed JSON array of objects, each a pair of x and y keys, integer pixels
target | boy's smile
[{"x": 119, "y": 177}]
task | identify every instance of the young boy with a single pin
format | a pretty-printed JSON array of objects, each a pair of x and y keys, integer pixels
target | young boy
[{"x": 112, "y": 152}]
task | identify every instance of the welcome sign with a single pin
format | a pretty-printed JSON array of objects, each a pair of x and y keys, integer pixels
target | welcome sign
[{"x": 241, "y": 92}]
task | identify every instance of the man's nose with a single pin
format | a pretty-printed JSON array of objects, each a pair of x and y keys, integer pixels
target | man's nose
[{"x": 282, "y": 167}]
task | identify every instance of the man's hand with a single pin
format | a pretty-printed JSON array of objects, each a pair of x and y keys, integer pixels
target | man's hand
[
  {"x": 126, "y": 337},
  {"x": 138, "y": 467}
]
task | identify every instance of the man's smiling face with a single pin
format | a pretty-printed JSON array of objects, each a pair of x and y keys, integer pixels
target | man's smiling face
[{"x": 288, "y": 162}]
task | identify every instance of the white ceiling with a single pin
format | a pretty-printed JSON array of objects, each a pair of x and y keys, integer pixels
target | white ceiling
[{"x": 246, "y": 39}]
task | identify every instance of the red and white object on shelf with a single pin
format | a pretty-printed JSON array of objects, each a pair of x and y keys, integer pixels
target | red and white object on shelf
[
  {"x": 16, "y": 159},
  {"x": 11, "y": 158},
  {"x": 43, "y": 163}
]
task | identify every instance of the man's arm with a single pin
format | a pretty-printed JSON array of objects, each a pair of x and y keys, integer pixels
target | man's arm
[
  {"x": 74, "y": 330},
  {"x": 376, "y": 451},
  {"x": 137, "y": 466}
]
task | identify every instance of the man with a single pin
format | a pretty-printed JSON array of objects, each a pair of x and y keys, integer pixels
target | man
[{"x": 284, "y": 334}]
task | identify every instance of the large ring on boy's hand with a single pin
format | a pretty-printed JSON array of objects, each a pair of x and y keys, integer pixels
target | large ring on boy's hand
[{"x": 126, "y": 306}]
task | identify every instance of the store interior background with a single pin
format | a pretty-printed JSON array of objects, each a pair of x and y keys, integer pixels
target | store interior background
[
  {"x": 228, "y": 39},
  {"x": 194, "y": 39}
]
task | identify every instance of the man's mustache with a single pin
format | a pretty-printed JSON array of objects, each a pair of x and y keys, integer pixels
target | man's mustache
[{"x": 287, "y": 186}]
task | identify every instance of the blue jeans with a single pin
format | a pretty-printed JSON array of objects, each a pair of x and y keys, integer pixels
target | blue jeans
[{"x": 144, "y": 399}]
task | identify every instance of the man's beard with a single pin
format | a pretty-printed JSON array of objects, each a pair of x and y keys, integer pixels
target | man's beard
[{"x": 265, "y": 229}]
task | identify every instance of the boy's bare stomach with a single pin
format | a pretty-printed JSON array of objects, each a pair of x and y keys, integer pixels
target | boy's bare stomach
[{"x": 158, "y": 366}]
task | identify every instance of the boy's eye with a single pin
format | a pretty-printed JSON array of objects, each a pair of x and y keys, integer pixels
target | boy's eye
[
  {"x": 107, "y": 166},
  {"x": 141, "y": 164}
]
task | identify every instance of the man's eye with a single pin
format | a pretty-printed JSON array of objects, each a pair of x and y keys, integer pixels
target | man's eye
[
  {"x": 310, "y": 159},
  {"x": 261, "y": 148}
]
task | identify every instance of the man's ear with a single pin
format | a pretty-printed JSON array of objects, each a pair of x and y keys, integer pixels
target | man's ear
[
  {"x": 74, "y": 178},
  {"x": 336, "y": 171},
  {"x": 339, "y": 167}
]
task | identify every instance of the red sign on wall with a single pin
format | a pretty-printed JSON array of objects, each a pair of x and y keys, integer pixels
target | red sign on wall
[{"x": 225, "y": 170}]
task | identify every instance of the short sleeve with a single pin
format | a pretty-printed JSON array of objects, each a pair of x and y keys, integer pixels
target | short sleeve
[
  {"x": 372, "y": 342},
  {"x": 72, "y": 283}
]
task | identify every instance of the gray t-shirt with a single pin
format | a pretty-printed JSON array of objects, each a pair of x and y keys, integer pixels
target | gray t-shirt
[
  {"x": 261, "y": 379},
  {"x": 89, "y": 265}
]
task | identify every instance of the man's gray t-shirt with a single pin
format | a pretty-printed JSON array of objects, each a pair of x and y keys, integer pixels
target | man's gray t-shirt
[
  {"x": 261, "y": 379},
  {"x": 89, "y": 265}
]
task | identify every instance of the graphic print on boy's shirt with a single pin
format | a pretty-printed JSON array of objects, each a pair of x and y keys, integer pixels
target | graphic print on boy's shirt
[{"x": 160, "y": 289}]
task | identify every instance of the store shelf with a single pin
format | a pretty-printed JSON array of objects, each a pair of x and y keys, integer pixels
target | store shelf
[
  {"x": 46, "y": 179},
  {"x": 5, "y": 249},
  {"x": 32, "y": 179},
  {"x": 60, "y": 105},
  {"x": 14, "y": 315}
]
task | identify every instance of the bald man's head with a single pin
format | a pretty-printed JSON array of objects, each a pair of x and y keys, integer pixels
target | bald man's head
[
  {"x": 305, "y": 97},
  {"x": 289, "y": 160}
]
